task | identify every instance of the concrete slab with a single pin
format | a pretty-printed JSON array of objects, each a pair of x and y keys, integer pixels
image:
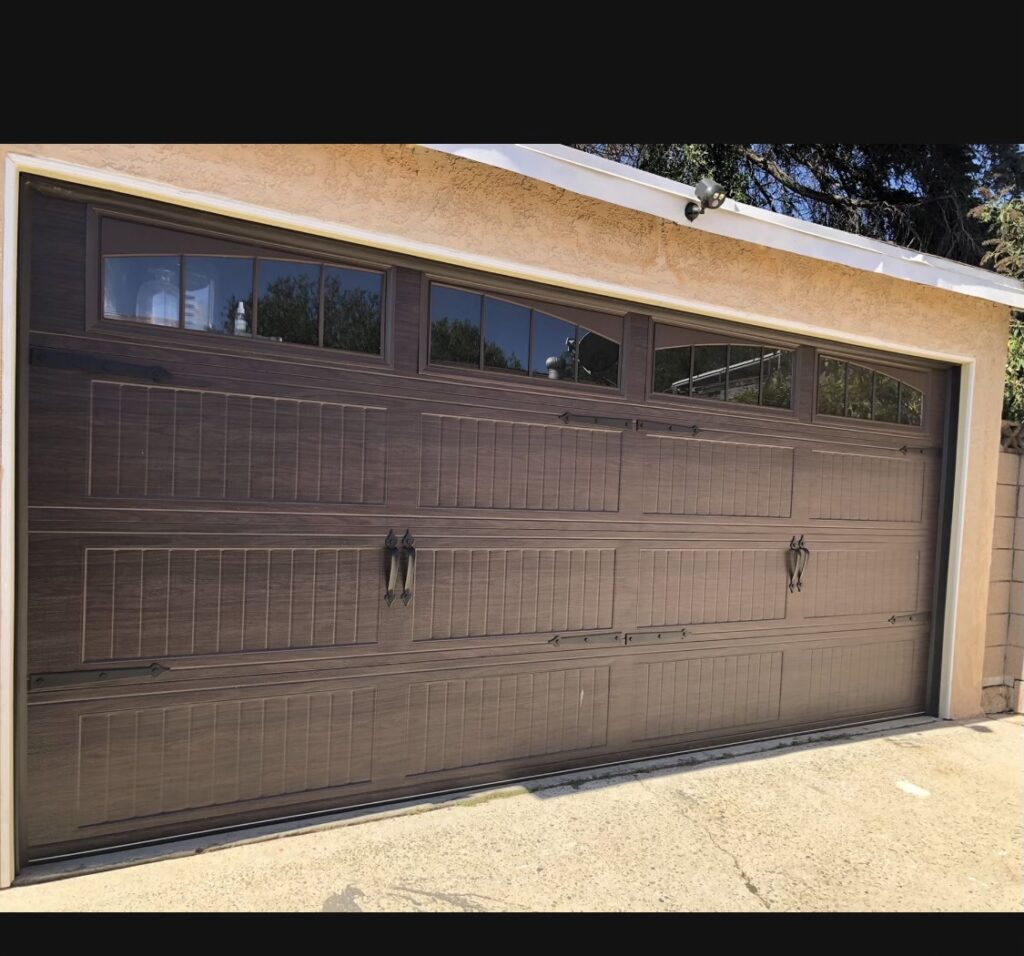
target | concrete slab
[{"x": 920, "y": 817}]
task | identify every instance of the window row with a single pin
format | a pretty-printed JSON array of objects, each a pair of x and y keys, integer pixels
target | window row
[
  {"x": 854, "y": 391},
  {"x": 486, "y": 332},
  {"x": 307, "y": 303},
  {"x": 748, "y": 374},
  {"x": 203, "y": 283}
]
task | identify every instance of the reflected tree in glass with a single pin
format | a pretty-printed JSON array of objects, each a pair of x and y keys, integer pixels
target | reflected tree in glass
[
  {"x": 831, "y": 387},
  {"x": 672, "y": 371},
  {"x": 777, "y": 382},
  {"x": 352, "y": 310},
  {"x": 289, "y": 302},
  {"x": 887, "y": 399},
  {"x": 858, "y": 392}
]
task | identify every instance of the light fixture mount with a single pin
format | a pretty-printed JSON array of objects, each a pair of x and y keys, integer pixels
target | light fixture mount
[{"x": 710, "y": 195}]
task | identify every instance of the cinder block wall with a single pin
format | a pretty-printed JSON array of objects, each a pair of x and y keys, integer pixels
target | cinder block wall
[{"x": 1003, "y": 684}]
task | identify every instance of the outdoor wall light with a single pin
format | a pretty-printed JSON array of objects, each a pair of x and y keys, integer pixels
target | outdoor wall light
[{"x": 709, "y": 196}]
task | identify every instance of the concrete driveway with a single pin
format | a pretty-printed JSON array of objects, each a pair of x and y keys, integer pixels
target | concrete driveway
[{"x": 919, "y": 817}]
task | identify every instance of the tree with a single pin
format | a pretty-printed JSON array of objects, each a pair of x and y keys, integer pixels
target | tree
[
  {"x": 1004, "y": 216},
  {"x": 961, "y": 201}
]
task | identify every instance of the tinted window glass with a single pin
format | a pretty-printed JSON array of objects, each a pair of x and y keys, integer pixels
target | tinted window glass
[
  {"x": 672, "y": 371},
  {"x": 454, "y": 326},
  {"x": 218, "y": 294},
  {"x": 744, "y": 384},
  {"x": 506, "y": 335},
  {"x": 887, "y": 399},
  {"x": 289, "y": 301},
  {"x": 858, "y": 391},
  {"x": 777, "y": 378},
  {"x": 869, "y": 395},
  {"x": 353, "y": 301},
  {"x": 709, "y": 370},
  {"x": 554, "y": 345},
  {"x": 145, "y": 288},
  {"x": 597, "y": 358},
  {"x": 831, "y": 387},
  {"x": 911, "y": 402}
]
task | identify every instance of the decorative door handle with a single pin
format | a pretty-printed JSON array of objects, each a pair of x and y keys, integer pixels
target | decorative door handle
[
  {"x": 408, "y": 545},
  {"x": 793, "y": 561},
  {"x": 803, "y": 556},
  {"x": 391, "y": 569}
]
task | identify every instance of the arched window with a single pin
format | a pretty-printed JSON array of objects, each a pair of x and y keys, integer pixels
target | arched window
[{"x": 855, "y": 391}]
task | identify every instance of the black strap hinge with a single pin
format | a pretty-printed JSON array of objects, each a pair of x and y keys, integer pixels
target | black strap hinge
[
  {"x": 68, "y": 678},
  {"x": 77, "y": 362}
]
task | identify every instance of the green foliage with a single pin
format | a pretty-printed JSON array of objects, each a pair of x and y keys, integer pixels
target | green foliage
[
  {"x": 456, "y": 340},
  {"x": 776, "y": 388},
  {"x": 1003, "y": 214},
  {"x": 962, "y": 201},
  {"x": 1013, "y": 386}
]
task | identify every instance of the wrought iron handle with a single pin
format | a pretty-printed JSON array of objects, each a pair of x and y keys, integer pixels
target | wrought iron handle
[
  {"x": 408, "y": 545},
  {"x": 803, "y": 556},
  {"x": 391, "y": 570},
  {"x": 793, "y": 561}
]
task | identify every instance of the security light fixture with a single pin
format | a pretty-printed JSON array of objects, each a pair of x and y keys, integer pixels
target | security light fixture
[{"x": 710, "y": 195}]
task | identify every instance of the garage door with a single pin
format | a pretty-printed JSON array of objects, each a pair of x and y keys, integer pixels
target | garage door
[{"x": 310, "y": 527}]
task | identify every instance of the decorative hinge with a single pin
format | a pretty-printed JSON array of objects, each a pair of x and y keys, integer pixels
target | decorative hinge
[
  {"x": 917, "y": 618},
  {"x": 610, "y": 639},
  {"x": 67, "y": 678},
  {"x": 641, "y": 638}
]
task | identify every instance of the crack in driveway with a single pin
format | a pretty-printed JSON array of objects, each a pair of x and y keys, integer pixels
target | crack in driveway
[{"x": 680, "y": 808}]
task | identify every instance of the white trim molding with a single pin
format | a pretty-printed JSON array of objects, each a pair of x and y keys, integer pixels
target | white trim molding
[
  {"x": 8, "y": 475},
  {"x": 621, "y": 185},
  {"x": 17, "y": 164}
]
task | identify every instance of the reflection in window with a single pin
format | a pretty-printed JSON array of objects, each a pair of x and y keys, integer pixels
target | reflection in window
[
  {"x": 831, "y": 387},
  {"x": 745, "y": 374},
  {"x": 353, "y": 299},
  {"x": 777, "y": 378},
  {"x": 455, "y": 326},
  {"x": 853, "y": 391},
  {"x": 744, "y": 379},
  {"x": 887, "y": 399},
  {"x": 144, "y": 288},
  {"x": 286, "y": 300},
  {"x": 672, "y": 371},
  {"x": 218, "y": 294},
  {"x": 516, "y": 338},
  {"x": 554, "y": 347},
  {"x": 597, "y": 358},
  {"x": 710, "y": 363},
  {"x": 289, "y": 301},
  {"x": 911, "y": 402},
  {"x": 506, "y": 335},
  {"x": 858, "y": 392}
]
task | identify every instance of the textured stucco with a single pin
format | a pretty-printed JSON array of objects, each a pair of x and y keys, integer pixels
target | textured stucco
[{"x": 436, "y": 198}]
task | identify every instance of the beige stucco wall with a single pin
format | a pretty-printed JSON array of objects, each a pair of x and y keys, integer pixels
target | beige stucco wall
[{"x": 436, "y": 198}]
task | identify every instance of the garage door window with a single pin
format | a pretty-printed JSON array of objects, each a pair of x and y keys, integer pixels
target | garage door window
[
  {"x": 744, "y": 374},
  {"x": 855, "y": 391},
  {"x": 476, "y": 330},
  {"x": 151, "y": 276}
]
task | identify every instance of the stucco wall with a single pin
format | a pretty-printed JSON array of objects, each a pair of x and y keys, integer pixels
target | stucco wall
[
  {"x": 453, "y": 202},
  {"x": 1003, "y": 675}
]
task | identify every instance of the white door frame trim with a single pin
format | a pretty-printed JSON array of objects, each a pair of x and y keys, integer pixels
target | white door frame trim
[{"x": 16, "y": 164}]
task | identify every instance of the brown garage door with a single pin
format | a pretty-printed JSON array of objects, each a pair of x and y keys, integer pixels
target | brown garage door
[{"x": 311, "y": 527}]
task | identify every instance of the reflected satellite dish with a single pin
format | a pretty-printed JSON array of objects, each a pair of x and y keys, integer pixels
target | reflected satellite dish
[{"x": 600, "y": 356}]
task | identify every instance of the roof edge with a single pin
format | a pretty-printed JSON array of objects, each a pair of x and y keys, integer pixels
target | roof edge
[{"x": 611, "y": 182}]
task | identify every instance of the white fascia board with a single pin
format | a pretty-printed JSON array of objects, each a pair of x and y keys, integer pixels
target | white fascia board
[{"x": 622, "y": 185}]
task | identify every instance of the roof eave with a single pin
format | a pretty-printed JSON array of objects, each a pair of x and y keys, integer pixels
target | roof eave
[{"x": 611, "y": 182}]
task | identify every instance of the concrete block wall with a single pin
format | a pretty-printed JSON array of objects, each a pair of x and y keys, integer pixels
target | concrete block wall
[{"x": 1003, "y": 683}]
